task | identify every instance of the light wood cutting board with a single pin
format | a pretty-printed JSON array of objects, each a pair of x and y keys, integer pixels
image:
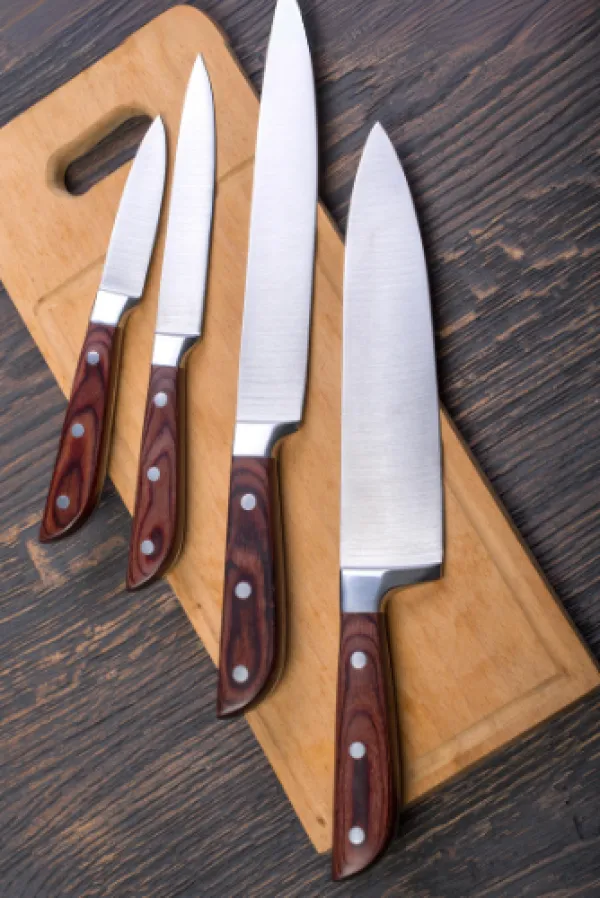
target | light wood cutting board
[{"x": 481, "y": 655}]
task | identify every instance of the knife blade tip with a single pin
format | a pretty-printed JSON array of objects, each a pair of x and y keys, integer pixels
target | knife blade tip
[
  {"x": 287, "y": 18},
  {"x": 199, "y": 71},
  {"x": 154, "y": 145},
  {"x": 379, "y": 138},
  {"x": 156, "y": 132}
]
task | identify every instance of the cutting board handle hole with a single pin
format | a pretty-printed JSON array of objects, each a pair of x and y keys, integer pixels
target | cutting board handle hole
[{"x": 108, "y": 153}]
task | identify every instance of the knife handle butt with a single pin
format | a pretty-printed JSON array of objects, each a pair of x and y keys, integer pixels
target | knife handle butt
[
  {"x": 366, "y": 760},
  {"x": 158, "y": 523},
  {"x": 253, "y": 618},
  {"x": 81, "y": 460}
]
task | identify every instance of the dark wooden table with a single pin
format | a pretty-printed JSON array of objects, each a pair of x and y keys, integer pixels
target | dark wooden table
[{"x": 117, "y": 779}]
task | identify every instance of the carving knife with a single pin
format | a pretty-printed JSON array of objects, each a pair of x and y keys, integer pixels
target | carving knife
[
  {"x": 81, "y": 461},
  {"x": 273, "y": 363},
  {"x": 158, "y": 518},
  {"x": 391, "y": 492}
]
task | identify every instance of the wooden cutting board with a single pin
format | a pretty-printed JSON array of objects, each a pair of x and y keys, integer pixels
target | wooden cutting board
[{"x": 481, "y": 655}]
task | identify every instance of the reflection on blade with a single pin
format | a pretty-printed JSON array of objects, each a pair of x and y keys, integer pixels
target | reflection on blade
[
  {"x": 391, "y": 466},
  {"x": 185, "y": 260},
  {"x": 282, "y": 231},
  {"x": 134, "y": 230}
]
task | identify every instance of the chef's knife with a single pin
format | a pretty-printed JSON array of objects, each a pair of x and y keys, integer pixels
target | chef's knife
[
  {"x": 391, "y": 494},
  {"x": 158, "y": 518},
  {"x": 273, "y": 363},
  {"x": 82, "y": 456}
]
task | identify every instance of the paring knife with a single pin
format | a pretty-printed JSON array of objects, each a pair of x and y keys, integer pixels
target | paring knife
[
  {"x": 273, "y": 364},
  {"x": 158, "y": 518},
  {"x": 391, "y": 493},
  {"x": 82, "y": 457}
]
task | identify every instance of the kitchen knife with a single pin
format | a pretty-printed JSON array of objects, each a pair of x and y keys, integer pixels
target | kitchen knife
[
  {"x": 82, "y": 456},
  {"x": 273, "y": 363},
  {"x": 158, "y": 518},
  {"x": 391, "y": 493}
]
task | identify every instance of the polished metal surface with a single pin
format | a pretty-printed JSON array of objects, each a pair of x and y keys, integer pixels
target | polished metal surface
[
  {"x": 259, "y": 439},
  {"x": 391, "y": 515},
  {"x": 134, "y": 230},
  {"x": 170, "y": 349},
  {"x": 365, "y": 589},
  {"x": 358, "y": 660},
  {"x": 279, "y": 275},
  {"x": 187, "y": 246},
  {"x": 109, "y": 308}
]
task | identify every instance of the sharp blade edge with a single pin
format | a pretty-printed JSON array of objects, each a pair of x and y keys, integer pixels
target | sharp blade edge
[
  {"x": 279, "y": 277},
  {"x": 391, "y": 516},
  {"x": 134, "y": 231},
  {"x": 186, "y": 255}
]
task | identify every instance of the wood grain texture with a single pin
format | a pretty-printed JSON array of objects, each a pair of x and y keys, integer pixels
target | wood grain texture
[
  {"x": 505, "y": 653},
  {"x": 252, "y": 645},
  {"x": 82, "y": 455},
  {"x": 366, "y": 767},
  {"x": 114, "y": 150},
  {"x": 116, "y": 772},
  {"x": 158, "y": 524},
  {"x": 114, "y": 763}
]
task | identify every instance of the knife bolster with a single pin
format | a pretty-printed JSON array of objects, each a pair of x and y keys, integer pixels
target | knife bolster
[
  {"x": 110, "y": 308},
  {"x": 170, "y": 350},
  {"x": 260, "y": 439},
  {"x": 363, "y": 590}
]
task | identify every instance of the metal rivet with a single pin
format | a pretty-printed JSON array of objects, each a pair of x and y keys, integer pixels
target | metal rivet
[
  {"x": 63, "y": 502},
  {"x": 93, "y": 357},
  {"x": 358, "y": 660},
  {"x": 357, "y": 750},
  {"x": 161, "y": 399},
  {"x": 248, "y": 501},
  {"x": 357, "y": 835},
  {"x": 243, "y": 590},
  {"x": 153, "y": 474},
  {"x": 240, "y": 673},
  {"x": 147, "y": 547},
  {"x": 78, "y": 430}
]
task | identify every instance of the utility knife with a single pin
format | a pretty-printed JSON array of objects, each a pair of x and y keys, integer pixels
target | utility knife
[
  {"x": 158, "y": 519},
  {"x": 81, "y": 460},
  {"x": 391, "y": 488},
  {"x": 273, "y": 364}
]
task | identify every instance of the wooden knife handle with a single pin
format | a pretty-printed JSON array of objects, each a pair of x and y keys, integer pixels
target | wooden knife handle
[
  {"x": 253, "y": 624},
  {"x": 158, "y": 520},
  {"x": 366, "y": 759},
  {"x": 80, "y": 467}
]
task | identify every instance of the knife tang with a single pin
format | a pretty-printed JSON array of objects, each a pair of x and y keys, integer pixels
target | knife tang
[
  {"x": 366, "y": 765},
  {"x": 253, "y": 618},
  {"x": 157, "y": 529},
  {"x": 81, "y": 460}
]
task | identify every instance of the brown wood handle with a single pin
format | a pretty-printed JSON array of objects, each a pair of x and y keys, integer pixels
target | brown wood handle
[
  {"x": 158, "y": 520},
  {"x": 80, "y": 467},
  {"x": 253, "y": 625},
  {"x": 366, "y": 760}
]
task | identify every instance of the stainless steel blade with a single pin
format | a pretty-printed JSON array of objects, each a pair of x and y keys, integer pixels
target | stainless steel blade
[
  {"x": 279, "y": 275},
  {"x": 185, "y": 259},
  {"x": 134, "y": 230},
  {"x": 391, "y": 465}
]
